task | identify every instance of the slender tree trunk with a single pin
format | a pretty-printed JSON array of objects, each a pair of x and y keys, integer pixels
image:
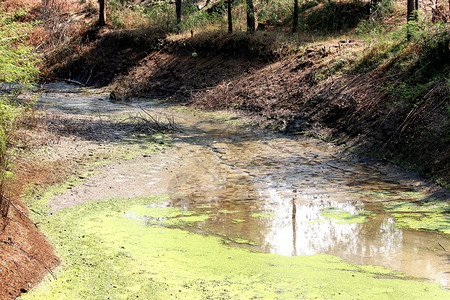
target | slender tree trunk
[
  {"x": 102, "y": 13},
  {"x": 230, "y": 17},
  {"x": 411, "y": 15},
  {"x": 413, "y": 6},
  {"x": 295, "y": 22},
  {"x": 251, "y": 23},
  {"x": 178, "y": 10}
]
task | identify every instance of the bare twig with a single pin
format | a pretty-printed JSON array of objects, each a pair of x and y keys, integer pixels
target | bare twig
[
  {"x": 442, "y": 247},
  {"x": 89, "y": 78},
  {"x": 17, "y": 209},
  {"x": 10, "y": 243},
  {"x": 74, "y": 81}
]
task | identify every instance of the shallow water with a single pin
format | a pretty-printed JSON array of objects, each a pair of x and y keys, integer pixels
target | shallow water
[
  {"x": 272, "y": 193},
  {"x": 268, "y": 192}
]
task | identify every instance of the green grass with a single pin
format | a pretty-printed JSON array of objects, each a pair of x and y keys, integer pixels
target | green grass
[{"x": 18, "y": 66}]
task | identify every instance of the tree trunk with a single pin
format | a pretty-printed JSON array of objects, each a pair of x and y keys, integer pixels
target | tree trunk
[
  {"x": 251, "y": 24},
  {"x": 412, "y": 6},
  {"x": 295, "y": 22},
  {"x": 411, "y": 15},
  {"x": 230, "y": 17},
  {"x": 178, "y": 10},
  {"x": 102, "y": 13}
]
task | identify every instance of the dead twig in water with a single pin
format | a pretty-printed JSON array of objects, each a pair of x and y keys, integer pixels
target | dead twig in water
[
  {"x": 147, "y": 122},
  {"x": 442, "y": 247},
  {"x": 74, "y": 81}
]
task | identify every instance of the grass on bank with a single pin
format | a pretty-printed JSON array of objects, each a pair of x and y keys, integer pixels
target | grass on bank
[{"x": 18, "y": 69}]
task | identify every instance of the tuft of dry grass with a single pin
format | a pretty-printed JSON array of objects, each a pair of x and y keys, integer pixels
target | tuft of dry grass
[{"x": 12, "y": 5}]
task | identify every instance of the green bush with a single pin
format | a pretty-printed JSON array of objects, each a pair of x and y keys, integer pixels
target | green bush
[
  {"x": 8, "y": 120},
  {"x": 414, "y": 66},
  {"x": 378, "y": 10},
  {"x": 275, "y": 12}
]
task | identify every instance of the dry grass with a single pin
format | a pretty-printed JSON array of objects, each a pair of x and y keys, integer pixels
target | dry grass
[{"x": 17, "y": 4}]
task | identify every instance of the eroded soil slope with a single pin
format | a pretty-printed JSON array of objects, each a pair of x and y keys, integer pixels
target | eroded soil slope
[
  {"x": 25, "y": 254},
  {"x": 313, "y": 91}
]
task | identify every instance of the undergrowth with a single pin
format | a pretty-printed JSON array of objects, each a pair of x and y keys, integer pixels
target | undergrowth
[
  {"x": 17, "y": 69},
  {"x": 412, "y": 67}
]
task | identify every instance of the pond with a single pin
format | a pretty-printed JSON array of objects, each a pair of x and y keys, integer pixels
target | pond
[{"x": 255, "y": 189}]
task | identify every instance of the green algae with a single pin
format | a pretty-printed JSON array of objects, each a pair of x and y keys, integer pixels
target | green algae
[
  {"x": 166, "y": 216},
  {"x": 237, "y": 221},
  {"x": 179, "y": 221},
  {"x": 159, "y": 211},
  {"x": 431, "y": 206},
  {"x": 425, "y": 222},
  {"x": 263, "y": 215},
  {"x": 345, "y": 216},
  {"x": 238, "y": 240},
  {"x": 426, "y": 214},
  {"x": 109, "y": 255},
  {"x": 225, "y": 211},
  {"x": 416, "y": 210},
  {"x": 206, "y": 206}
]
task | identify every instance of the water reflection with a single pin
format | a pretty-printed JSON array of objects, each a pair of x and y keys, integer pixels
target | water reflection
[
  {"x": 273, "y": 192},
  {"x": 298, "y": 227}
]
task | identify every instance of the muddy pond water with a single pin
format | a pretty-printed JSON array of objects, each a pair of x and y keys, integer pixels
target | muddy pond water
[{"x": 273, "y": 193}]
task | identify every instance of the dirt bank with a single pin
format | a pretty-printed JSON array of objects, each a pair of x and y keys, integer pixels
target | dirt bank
[
  {"x": 309, "y": 90},
  {"x": 25, "y": 254}
]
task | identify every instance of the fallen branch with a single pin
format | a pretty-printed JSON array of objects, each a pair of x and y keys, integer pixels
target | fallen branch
[
  {"x": 170, "y": 126},
  {"x": 442, "y": 247},
  {"x": 74, "y": 81},
  {"x": 10, "y": 243},
  {"x": 17, "y": 209}
]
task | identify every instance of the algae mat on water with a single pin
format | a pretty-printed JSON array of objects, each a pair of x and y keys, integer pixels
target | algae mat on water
[{"x": 115, "y": 249}]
